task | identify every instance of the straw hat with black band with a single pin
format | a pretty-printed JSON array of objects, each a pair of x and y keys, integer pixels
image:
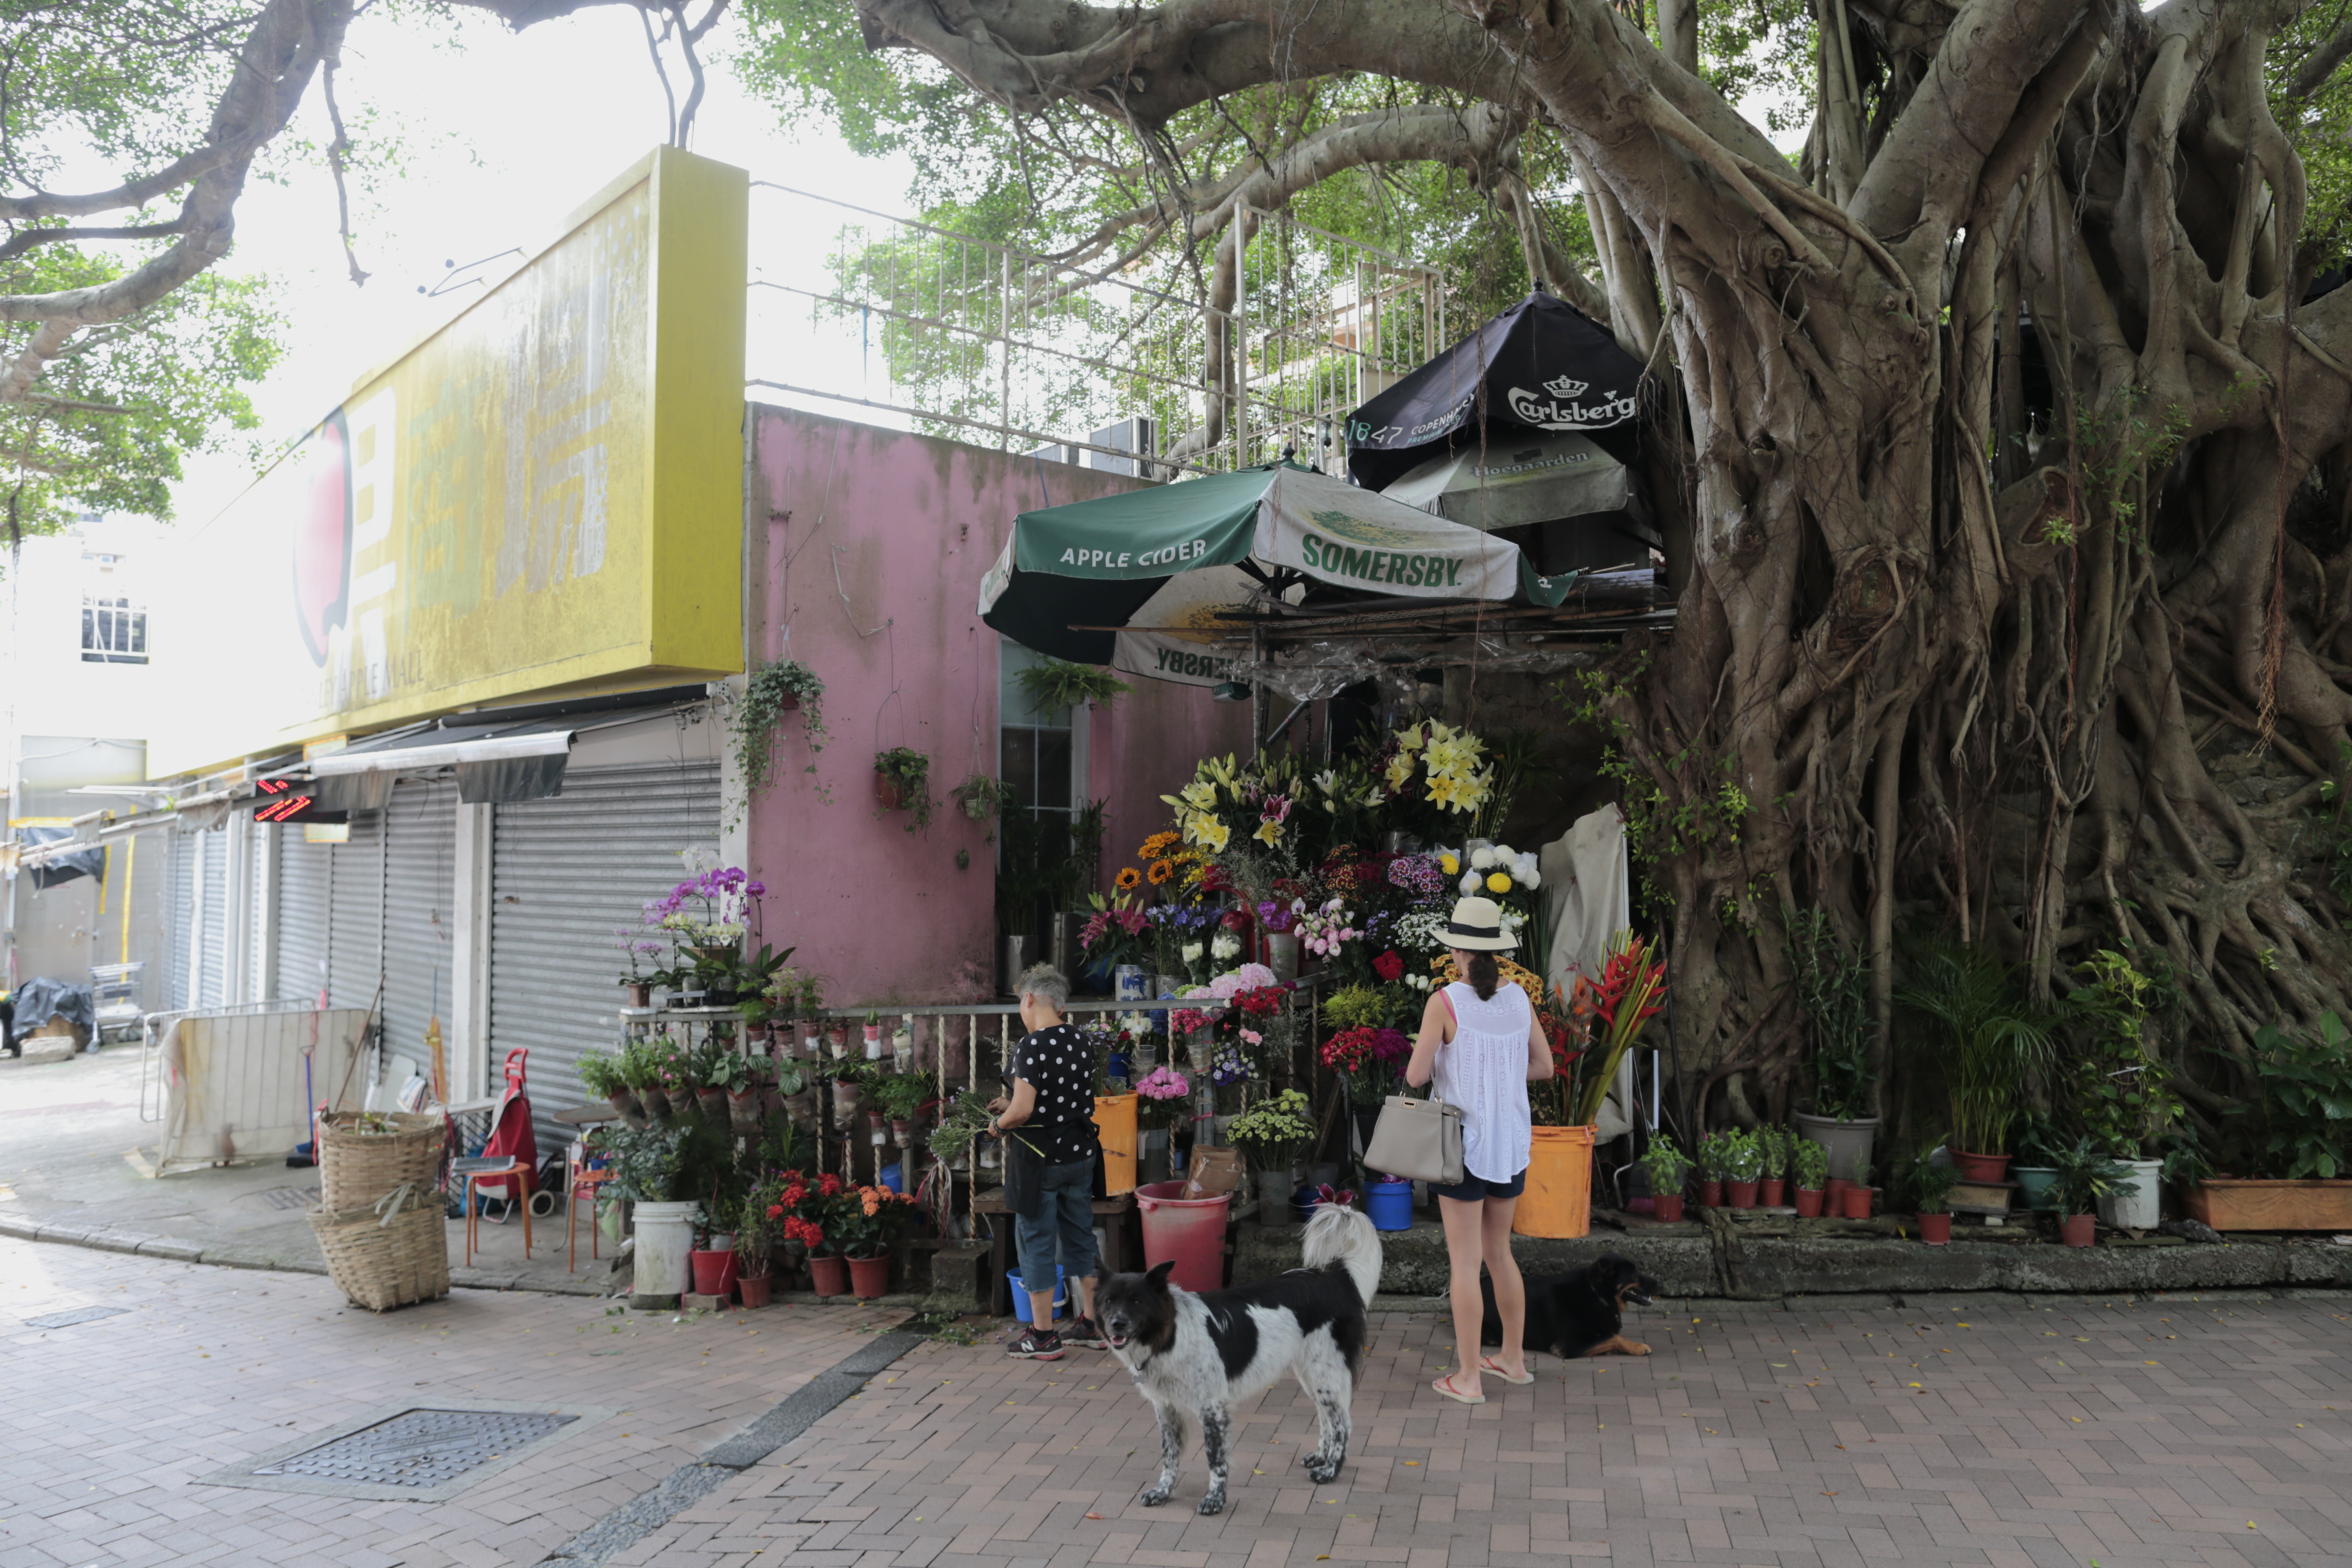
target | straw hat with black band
[{"x": 1476, "y": 926}]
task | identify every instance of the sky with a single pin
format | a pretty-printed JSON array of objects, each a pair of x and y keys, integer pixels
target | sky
[{"x": 500, "y": 135}]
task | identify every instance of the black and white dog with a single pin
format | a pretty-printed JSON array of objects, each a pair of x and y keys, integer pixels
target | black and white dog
[{"x": 1195, "y": 1357}]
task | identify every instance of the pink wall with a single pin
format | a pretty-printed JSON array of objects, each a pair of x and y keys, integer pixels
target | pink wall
[{"x": 875, "y": 545}]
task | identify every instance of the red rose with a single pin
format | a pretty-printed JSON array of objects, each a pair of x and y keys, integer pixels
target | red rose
[{"x": 1389, "y": 966}]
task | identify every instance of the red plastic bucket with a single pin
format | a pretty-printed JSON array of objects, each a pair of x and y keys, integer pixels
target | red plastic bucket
[
  {"x": 1189, "y": 1232},
  {"x": 714, "y": 1273}
]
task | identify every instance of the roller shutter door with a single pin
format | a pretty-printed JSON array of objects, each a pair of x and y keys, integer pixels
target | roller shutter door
[
  {"x": 419, "y": 915},
  {"x": 355, "y": 960},
  {"x": 305, "y": 883},
  {"x": 212, "y": 921},
  {"x": 183, "y": 921},
  {"x": 566, "y": 873}
]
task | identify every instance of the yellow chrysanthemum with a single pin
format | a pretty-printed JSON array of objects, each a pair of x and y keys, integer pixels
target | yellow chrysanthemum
[
  {"x": 1451, "y": 864},
  {"x": 1498, "y": 882},
  {"x": 1268, "y": 833}
]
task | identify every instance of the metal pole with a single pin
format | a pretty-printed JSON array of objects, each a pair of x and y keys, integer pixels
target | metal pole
[
  {"x": 1004, "y": 400},
  {"x": 1241, "y": 337}
]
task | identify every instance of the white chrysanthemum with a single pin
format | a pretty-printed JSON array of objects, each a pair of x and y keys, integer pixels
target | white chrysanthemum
[
  {"x": 1524, "y": 872},
  {"x": 1505, "y": 852},
  {"x": 1483, "y": 859}
]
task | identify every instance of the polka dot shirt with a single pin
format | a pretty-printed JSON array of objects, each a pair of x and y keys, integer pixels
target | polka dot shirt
[{"x": 1060, "y": 1066}]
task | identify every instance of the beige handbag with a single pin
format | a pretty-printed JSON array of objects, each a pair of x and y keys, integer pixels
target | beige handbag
[{"x": 1419, "y": 1140}]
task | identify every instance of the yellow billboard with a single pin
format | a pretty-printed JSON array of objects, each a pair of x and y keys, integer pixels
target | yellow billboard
[{"x": 544, "y": 495}]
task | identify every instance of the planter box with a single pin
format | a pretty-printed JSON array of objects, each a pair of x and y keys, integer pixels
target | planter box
[{"x": 2228, "y": 1204}]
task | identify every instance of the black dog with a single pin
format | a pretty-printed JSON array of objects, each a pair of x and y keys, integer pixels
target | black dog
[{"x": 1576, "y": 1314}]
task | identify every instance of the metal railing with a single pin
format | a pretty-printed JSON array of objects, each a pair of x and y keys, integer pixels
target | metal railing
[{"x": 967, "y": 337}]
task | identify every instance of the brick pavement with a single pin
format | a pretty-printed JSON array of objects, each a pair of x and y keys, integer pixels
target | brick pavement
[
  {"x": 111, "y": 1422},
  {"x": 2181, "y": 1432}
]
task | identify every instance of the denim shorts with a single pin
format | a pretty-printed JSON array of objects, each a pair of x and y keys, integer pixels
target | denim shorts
[
  {"x": 1472, "y": 1189},
  {"x": 1064, "y": 1230}
]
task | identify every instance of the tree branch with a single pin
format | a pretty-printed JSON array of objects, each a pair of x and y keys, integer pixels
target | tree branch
[{"x": 29, "y": 238}]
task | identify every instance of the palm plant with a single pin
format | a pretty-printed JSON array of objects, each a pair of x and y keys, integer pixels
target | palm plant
[{"x": 1994, "y": 1039}]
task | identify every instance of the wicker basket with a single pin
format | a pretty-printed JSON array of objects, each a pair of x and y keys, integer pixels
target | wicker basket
[
  {"x": 384, "y": 1262},
  {"x": 356, "y": 1168}
]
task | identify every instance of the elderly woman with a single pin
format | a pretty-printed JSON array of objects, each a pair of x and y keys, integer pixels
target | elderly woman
[
  {"x": 1481, "y": 1042},
  {"x": 1048, "y": 1127}
]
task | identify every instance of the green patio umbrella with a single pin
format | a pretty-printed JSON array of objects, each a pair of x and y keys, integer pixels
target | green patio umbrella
[{"x": 1159, "y": 563}]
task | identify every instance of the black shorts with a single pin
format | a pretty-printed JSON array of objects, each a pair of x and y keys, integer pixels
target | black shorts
[{"x": 1472, "y": 1189}]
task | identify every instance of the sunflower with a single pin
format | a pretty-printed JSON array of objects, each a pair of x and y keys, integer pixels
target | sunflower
[
  {"x": 1160, "y": 871},
  {"x": 1129, "y": 878}
]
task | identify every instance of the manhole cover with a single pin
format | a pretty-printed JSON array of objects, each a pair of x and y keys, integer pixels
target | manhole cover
[
  {"x": 287, "y": 1197},
  {"x": 79, "y": 1315},
  {"x": 418, "y": 1448}
]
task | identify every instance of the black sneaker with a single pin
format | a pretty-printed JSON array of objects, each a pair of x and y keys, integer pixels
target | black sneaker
[
  {"x": 1085, "y": 1335},
  {"x": 1034, "y": 1345}
]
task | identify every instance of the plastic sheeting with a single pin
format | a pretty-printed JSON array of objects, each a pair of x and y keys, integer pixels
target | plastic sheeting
[
  {"x": 40, "y": 999},
  {"x": 234, "y": 1085},
  {"x": 1310, "y": 672}
]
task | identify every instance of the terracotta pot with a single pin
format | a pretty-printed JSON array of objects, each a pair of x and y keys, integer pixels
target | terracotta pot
[
  {"x": 888, "y": 793},
  {"x": 870, "y": 1276},
  {"x": 1774, "y": 1193},
  {"x": 1990, "y": 1169},
  {"x": 743, "y": 1109},
  {"x": 1710, "y": 1193},
  {"x": 752, "y": 1289},
  {"x": 1856, "y": 1199},
  {"x": 1834, "y": 1197},
  {"x": 713, "y": 1103},
  {"x": 1935, "y": 1229},
  {"x": 1808, "y": 1203},
  {"x": 2078, "y": 1229},
  {"x": 1669, "y": 1207},
  {"x": 829, "y": 1275},
  {"x": 847, "y": 1098},
  {"x": 1743, "y": 1195}
]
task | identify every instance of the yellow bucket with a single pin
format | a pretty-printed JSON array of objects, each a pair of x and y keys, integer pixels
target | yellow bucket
[
  {"x": 1558, "y": 1202},
  {"x": 1115, "y": 1122}
]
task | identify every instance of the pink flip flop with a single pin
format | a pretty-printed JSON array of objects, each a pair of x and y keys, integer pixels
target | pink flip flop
[
  {"x": 1487, "y": 1365},
  {"x": 1458, "y": 1398}
]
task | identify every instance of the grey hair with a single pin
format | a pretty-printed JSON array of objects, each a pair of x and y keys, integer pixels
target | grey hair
[{"x": 1044, "y": 980}]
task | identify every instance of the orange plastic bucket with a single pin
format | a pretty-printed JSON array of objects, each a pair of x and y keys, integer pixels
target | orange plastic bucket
[
  {"x": 1558, "y": 1202},
  {"x": 1187, "y": 1232},
  {"x": 1115, "y": 1122}
]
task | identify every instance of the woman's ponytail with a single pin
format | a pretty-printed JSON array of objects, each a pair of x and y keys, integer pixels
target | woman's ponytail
[{"x": 1484, "y": 974}]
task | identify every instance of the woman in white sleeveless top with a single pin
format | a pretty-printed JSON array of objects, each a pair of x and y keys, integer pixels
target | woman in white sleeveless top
[{"x": 1482, "y": 1042}]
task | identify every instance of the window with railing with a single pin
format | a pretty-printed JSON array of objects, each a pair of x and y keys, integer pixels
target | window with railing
[{"x": 113, "y": 630}]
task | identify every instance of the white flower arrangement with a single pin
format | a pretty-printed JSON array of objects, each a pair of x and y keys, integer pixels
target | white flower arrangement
[
  {"x": 1483, "y": 859},
  {"x": 1226, "y": 945},
  {"x": 1192, "y": 952}
]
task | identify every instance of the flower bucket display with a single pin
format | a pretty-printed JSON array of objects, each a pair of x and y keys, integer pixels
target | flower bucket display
[
  {"x": 1132, "y": 981},
  {"x": 869, "y": 1278},
  {"x": 714, "y": 1272},
  {"x": 1389, "y": 1204},
  {"x": 1558, "y": 1202},
  {"x": 829, "y": 1275}
]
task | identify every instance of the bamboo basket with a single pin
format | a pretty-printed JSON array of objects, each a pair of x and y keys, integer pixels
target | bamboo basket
[
  {"x": 357, "y": 1168},
  {"x": 393, "y": 1254}
]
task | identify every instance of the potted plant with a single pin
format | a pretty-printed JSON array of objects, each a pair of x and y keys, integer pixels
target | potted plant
[
  {"x": 771, "y": 691},
  {"x": 1667, "y": 1169},
  {"x": 1994, "y": 1042},
  {"x": 848, "y": 1092},
  {"x": 1809, "y": 1166},
  {"x": 648, "y": 1166},
  {"x": 1163, "y": 1098},
  {"x": 2086, "y": 1174},
  {"x": 1743, "y": 1168},
  {"x": 1714, "y": 1152},
  {"x": 2116, "y": 1088},
  {"x": 602, "y": 1076},
  {"x": 902, "y": 782},
  {"x": 1832, "y": 985},
  {"x": 662, "y": 1066},
  {"x": 896, "y": 1098},
  {"x": 636, "y": 981},
  {"x": 821, "y": 1207},
  {"x": 1774, "y": 1143},
  {"x": 867, "y": 1222},
  {"x": 1271, "y": 1135},
  {"x": 873, "y": 1026},
  {"x": 1929, "y": 1187},
  {"x": 1052, "y": 684},
  {"x": 2298, "y": 1139},
  {"x": 715, "y": 1263},
  {"x": 2036, "y": 1137},
  {"x": 756, "y": 1234}
]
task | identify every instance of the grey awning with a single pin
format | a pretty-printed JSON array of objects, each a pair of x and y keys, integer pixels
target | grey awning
[{"x": 1507, "y": 483}]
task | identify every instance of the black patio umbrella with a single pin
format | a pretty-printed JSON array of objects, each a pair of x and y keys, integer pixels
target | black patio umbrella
[{"x": 1542, "y": 365}]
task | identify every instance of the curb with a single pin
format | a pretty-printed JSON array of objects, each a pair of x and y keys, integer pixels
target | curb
[{"x": 227, "y": 1254}]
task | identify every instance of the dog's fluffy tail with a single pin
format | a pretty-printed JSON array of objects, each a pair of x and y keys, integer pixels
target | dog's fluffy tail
[{"x": 1340, "y": 1235}]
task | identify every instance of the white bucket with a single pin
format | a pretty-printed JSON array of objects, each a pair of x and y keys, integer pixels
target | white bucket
[
  {"x": 664, "y": 1249},
  {"x": 2133, "y": 1204}
]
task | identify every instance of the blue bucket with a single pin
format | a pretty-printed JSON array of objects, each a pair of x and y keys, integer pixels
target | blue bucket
[
  {"x": 1389, "y": 1204},
  {"x": 889, "y": 1175},
  {"x": 1021, "y": 1294}
]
